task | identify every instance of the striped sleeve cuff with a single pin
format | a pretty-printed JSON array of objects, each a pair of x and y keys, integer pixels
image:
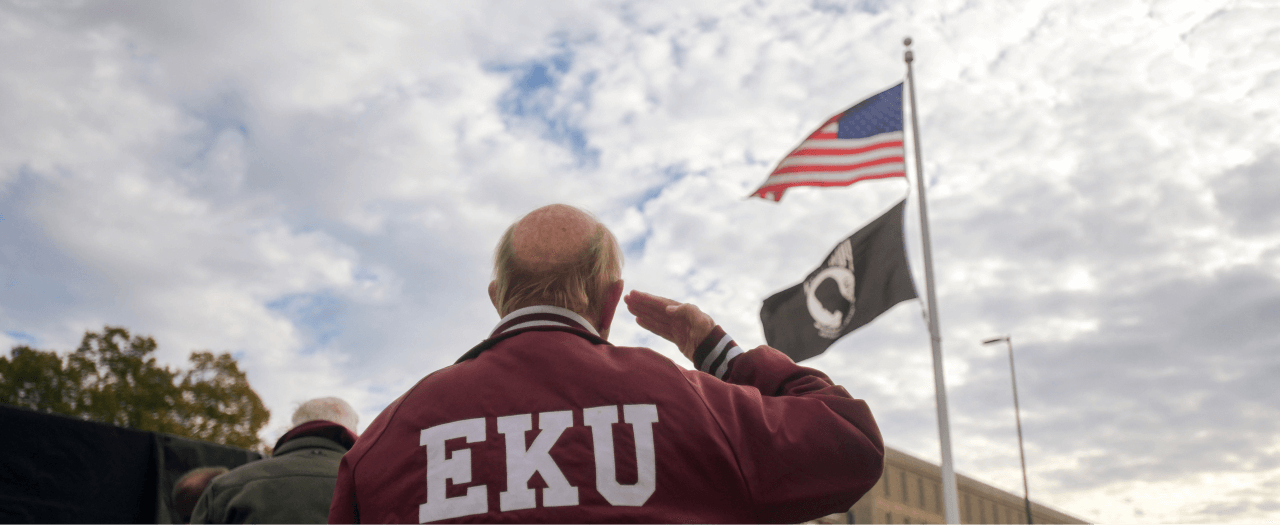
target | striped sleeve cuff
[{"x": 715, "y": 352}]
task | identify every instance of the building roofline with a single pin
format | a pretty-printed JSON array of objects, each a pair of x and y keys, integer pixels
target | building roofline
[{"x": 923, "y": 467}]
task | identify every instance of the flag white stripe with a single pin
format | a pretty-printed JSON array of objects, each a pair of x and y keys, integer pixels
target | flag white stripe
[
  {"x": 892, "y": 136},
  {"x": 734, "y": 352},
  {"x": 840, "y": 160},
  {"x": 830, "y": 176}
]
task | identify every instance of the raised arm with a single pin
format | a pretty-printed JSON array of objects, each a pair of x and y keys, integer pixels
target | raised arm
[
  {"x": 681, "y": 323},
  {"x": 803, "y": 442}
]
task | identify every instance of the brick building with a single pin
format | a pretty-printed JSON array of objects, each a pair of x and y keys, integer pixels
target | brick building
[{"x": 910, "y": 491}]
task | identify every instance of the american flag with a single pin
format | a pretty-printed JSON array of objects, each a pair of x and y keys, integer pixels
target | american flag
[{"x": 860, "y": 143}]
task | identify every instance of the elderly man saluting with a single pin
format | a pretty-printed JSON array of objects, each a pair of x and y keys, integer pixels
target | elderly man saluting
[{"x": 546, "y": 421}]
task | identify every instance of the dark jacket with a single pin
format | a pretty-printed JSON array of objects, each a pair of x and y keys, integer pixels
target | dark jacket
[
  {"x": 295, "y": 485},
  {"x": 546, "y": 421}
]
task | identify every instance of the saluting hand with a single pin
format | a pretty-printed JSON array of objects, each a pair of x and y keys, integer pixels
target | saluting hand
[{"x": 681, "y": 323}]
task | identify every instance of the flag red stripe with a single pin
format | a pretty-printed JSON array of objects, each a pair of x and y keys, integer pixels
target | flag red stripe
[
  {"x": 777, "y": 189},
  {"x": 850, "y": 167},
  {"x": 845, "y": 151}
]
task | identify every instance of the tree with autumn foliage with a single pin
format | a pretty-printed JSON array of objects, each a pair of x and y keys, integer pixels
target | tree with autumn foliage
[{"x": 114, "y": 378}]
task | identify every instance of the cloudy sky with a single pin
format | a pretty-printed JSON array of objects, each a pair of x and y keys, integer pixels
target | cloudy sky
[{"x": 317, "y": 188}]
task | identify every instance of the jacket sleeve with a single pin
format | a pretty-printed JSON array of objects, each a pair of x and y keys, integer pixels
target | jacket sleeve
[
  {"x": 200, "y": 514},
  {"x": 805, "y": 447},
  {"x": 204, "y": 511},
  {"x": 343, "y": 508}
]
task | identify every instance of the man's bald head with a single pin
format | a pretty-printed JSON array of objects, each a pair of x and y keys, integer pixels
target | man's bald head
[
  {"x": 556, "y": 255},
  {"x": 553, "y": 237}
]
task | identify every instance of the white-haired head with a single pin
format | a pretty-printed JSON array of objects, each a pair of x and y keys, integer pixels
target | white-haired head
[{"x": 326, "y": 409}]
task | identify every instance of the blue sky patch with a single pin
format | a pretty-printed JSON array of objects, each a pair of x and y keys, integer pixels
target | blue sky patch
[
  {"x": 316, "y": 314},
  {"x": 635, "y": 248},
  {"x": 536, "y": 97},
  {"x": 22, "y": 337},
  {"x": 841, "y": 8}
]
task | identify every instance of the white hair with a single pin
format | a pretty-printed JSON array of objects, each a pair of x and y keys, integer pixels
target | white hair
[{"x": 326, "y": 409}]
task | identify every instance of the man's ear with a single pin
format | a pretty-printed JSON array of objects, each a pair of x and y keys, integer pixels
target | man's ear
[
  {"x": 612, "y": 296},
  {"x": 493, "y": 296}
]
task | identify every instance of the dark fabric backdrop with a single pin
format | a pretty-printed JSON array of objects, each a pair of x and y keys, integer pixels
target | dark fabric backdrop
[{"x": 58, "y": 469}]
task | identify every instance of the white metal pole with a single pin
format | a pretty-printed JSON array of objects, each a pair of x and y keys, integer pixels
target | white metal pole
[{"x": 951, "y": 502}]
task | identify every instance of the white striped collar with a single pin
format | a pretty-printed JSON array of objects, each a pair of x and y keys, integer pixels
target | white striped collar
[{"x": 530, "y": 316}]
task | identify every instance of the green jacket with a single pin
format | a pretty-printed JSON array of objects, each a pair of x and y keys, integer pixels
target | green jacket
[{"x": 295, "y": 485}]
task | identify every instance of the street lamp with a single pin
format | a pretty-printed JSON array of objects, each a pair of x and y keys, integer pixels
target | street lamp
[{"x": 1026, "y": 493}]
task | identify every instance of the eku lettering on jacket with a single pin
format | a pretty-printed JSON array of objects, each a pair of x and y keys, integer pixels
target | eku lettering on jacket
[
  {"x": 523, "y": 461},
  {"x": 547, "y": 421}
]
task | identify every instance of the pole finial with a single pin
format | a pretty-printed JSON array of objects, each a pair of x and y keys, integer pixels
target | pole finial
[{"x": 906, "y": 41}]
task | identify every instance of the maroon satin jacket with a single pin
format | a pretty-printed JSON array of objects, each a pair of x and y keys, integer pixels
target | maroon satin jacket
[{"x": 547, "y": 422}]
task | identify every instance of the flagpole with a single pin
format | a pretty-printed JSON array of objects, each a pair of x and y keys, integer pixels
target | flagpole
[{"x": 951, "y": 502}]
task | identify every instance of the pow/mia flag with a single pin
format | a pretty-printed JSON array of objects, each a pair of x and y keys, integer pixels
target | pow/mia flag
[{"x": 865, "y": 275}]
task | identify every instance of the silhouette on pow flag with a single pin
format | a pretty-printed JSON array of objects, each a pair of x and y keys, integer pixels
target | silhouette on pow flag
[{"x": 865, "y": 275}]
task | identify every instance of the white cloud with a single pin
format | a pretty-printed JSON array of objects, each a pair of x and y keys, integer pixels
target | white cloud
[{"x": 319, "y": 187}]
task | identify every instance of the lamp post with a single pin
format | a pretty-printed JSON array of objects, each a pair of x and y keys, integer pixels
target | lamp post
[{"x": 1026, "y": 493}]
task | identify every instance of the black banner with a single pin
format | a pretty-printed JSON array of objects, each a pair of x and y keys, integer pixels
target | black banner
[{"x": 865, "y": 275}]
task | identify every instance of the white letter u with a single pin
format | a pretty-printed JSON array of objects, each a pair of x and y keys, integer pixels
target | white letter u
[{"x": 641, "y": 418}]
